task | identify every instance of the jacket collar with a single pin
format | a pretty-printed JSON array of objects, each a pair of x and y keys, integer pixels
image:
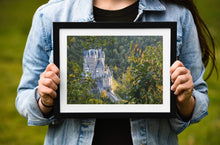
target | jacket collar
[
  {"x": 87, "y": 5},
  {"x": 151, "y": 5}
]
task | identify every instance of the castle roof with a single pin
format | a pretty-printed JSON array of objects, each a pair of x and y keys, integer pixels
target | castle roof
[
  {"x": 92, "y": 52},
  {"x": 100, "y": 65},
  {"x": 101, "y": 54}
]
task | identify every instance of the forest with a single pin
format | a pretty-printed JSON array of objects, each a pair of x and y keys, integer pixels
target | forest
[{"x": 135, "y": 63}]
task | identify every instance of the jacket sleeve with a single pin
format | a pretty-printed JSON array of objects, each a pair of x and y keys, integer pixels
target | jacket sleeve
[
  {"x": 35, "y": 60},
  {"x": 190, "y": 55}
]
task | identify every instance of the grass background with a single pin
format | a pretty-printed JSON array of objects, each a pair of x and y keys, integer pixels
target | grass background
[{"x": 15, "y": 23}]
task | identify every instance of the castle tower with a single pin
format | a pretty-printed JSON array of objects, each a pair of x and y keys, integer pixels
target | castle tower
[
  {"x": 92, "y": 61},
  {"x": 100, "y": 69}
]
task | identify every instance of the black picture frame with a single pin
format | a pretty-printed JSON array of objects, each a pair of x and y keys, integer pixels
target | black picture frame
[{"x": 76, "y": 30}]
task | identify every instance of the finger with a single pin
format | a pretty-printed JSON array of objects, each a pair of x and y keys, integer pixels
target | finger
[
  {"x": 46, "y": 92},
  {"x": 42, "y": 75},
  {"x": 179, "y": 80},
  {"x": 49, "y": 83},
  {"x": 179, "y": 71},
  {"x": 181, "y": 97},
  {"x": 53, "y": 76},
  {"x": 188, "y": 87},
  {"x": 175, "y": 65},
  {"x": 52, "y": 67},
  {"x": 184, "y": 95}
]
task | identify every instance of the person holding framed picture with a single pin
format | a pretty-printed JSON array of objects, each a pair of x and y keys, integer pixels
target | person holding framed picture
[{"x": 40, "y": 79}]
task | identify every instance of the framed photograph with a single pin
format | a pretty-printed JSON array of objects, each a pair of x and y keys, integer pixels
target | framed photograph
[{"x": 114, "y": 69}]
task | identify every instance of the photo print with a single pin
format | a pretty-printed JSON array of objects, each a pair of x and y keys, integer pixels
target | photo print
[{"x": 114, "y": 70}]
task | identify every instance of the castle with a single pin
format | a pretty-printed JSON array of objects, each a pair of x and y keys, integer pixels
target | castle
[{"x": 94, "y": 63}]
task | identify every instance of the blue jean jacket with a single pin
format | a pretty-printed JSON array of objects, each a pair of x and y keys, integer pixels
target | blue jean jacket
[{"x": 39, "y": 53}]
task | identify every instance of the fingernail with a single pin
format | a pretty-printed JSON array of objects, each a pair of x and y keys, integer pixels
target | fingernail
[
  {"x": 172, "y": 88},
  {"x": 175, "y": 93}
]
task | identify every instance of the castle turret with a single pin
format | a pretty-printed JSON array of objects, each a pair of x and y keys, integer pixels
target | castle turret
[{"x": 94, "y": 63}]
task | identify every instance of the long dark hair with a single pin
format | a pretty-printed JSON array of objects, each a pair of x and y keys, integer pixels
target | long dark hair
[{"x": 205, "y": 38}]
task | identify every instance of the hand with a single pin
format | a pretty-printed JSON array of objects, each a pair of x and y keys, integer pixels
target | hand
[
  {"x": 183, "y": 88},
  {"x": 47, "y": 86}
]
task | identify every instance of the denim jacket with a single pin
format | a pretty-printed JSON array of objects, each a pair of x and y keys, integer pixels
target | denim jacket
[{"x": 39, "y": 53}]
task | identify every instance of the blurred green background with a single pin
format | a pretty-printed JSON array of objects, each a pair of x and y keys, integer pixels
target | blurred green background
[{"x": 15, "y": 23}]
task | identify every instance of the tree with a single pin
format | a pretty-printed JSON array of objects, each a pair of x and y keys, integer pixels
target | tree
[
  {"x": 142, "y": 81},
  {"x": 147, "y": 75}
]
